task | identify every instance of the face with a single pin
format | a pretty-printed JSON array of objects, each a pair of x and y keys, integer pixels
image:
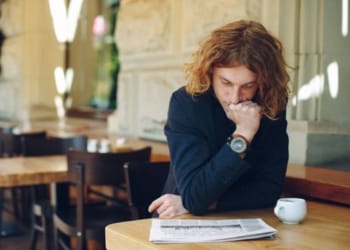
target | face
[{"x": 234, "y": 85}]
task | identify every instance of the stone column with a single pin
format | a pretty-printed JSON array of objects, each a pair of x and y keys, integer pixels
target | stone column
[{"x": 314, "y": 139}]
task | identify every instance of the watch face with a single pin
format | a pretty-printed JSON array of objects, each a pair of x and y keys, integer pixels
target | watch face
[{"x": 238, "y": 145}]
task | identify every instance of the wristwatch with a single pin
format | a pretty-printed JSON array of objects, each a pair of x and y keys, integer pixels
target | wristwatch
[{"x": 237, "y": 144}]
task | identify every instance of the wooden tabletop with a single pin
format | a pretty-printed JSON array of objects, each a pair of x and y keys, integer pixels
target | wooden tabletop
[
  {"x": 21, "y": 171},
  {"x": 94, "y": 129},
  {"x": 308, "y": 181},
  {"x": 326, "y": 226},
  {"x": 316, "y": 182}
]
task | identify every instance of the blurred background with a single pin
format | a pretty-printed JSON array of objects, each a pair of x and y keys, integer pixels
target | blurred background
[{"x": 119, "y": 61}]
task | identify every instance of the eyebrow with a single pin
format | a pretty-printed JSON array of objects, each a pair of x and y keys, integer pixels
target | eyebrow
[{"x": 246, "y": 83}]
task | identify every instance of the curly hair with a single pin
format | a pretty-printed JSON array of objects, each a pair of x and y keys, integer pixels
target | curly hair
[{"x": 245, "y": 43}]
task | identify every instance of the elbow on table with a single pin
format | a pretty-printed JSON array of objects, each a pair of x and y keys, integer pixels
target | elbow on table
[
  {"x": 195, "y": 207},
  {"x": 270, "y": 200},
  {"x": 197, "y": 210}
]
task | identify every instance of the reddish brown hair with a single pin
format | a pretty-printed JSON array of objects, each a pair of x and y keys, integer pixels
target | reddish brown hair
[{"x": 245, "y": 43}]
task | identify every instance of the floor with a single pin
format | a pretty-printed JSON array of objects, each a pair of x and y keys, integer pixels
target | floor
[
  {"x": 22, "y": 241},
  {"x": 16, "y": 242}
]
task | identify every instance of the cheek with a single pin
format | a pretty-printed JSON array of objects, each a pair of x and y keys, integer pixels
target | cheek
[
  {"x": 249, "y": 93},
  {"x": 224, "y": 94},
  {"x": 217, "y": 90}
]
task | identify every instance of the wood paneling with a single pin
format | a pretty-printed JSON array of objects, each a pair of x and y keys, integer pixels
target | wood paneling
[{"x": 320, "y": 183}]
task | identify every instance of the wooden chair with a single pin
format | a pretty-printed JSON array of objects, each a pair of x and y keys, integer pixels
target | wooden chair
[
  {"x": 10, "y": 145},
  {"x": 87, "y": 222},
  {"x": 40, "y": 146},
  {"x": 41, "y": 209},
  {"x": 144, "y": 182},
  {"x": 4, "y": 132}
]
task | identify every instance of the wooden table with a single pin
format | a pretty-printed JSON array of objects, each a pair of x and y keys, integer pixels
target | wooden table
[
  {"x": 326, "y": 226},
  {"x": 301, "y": 180},
  {"x": 23, "y": 171},
  {"x": 28, "y": 171},
  {"x": 306, "y": 181},
  {"x": 322, "y": 183}
]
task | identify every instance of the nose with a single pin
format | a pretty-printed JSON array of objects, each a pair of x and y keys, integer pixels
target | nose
[{"x": 235, "y": 95}]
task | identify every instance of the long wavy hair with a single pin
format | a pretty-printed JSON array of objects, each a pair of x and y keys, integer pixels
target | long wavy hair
[{"x": 245, "y": 43}]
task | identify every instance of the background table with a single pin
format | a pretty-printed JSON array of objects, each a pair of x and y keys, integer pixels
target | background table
[
  {"x": 327, "y": 226},
  {"x": 22, "y": 171}
]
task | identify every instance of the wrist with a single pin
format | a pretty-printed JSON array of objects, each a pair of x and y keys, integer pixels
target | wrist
[
  {"x": 238, "y": 144},
  {"x": 246, "y": 135}
]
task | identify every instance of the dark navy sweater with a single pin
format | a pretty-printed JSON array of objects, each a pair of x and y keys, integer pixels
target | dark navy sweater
[{"x": 205, "y": 169}]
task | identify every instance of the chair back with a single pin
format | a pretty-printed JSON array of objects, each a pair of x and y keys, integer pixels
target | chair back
[
  {"x": 7, "y": 130},
  {"x": 102, "y": 168},
  {"x": 11, "y": 144},
  {"x": 40, "y": 146},
  {"x": 95, "y": 168},
  {"x": 145, "y": 182}
]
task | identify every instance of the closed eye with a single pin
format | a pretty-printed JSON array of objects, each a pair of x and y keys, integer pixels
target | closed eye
[
  {"x": 249, "y": 85},
  {"x": 225, "y": 82}
]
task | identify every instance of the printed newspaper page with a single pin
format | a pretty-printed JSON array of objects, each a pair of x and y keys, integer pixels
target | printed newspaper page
[{"x": 186, "y": 230}]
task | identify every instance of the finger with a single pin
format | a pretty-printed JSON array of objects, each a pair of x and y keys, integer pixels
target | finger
[
  {"x": 250, "y": 104},
  {"x": 155, "y": 204},
  {"x": 167, "y": 213},
  {"x": 163, "y": 207}
]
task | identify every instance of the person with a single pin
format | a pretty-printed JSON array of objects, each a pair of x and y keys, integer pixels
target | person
[{"x": 227, "y": 128}]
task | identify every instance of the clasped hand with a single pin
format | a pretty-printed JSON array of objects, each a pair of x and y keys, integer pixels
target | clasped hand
[{"x": 247, "y": 116}]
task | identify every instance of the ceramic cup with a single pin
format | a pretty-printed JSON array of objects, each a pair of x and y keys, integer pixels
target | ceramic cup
[{"x": 290, "y": 210}]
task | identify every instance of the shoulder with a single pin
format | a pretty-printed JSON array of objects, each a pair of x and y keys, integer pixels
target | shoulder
[
  {"x": 276, "y": 126},
  {"x": 189, "y": 109},
  {"x": 279, "y": 119},
  {"x": 180, "y": 94},
  {"x": 183, "y": 98}
]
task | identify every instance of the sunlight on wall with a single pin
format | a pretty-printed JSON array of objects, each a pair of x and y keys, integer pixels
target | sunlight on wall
[
  {"x": 333, "y": 79},
  {"x": 64, "y": 80},
  {"x": 65, "y": 21},
  {"x": 345, "y": 17},
  {"x": 313, "y": 88}
]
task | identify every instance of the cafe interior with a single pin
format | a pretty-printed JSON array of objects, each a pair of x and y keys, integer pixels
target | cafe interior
[{"x": 97, "y": 76}]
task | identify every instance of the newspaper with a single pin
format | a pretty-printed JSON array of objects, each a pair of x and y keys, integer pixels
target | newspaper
[{"x": 190, "y": 231}]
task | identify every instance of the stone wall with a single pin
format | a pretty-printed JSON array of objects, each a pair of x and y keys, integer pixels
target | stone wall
[
  {"x": 155, "y": 39},
  {"x": 29, "y": 56},
  {"x": 11, "y": 74},
  {"x": 31, "y": 53}
]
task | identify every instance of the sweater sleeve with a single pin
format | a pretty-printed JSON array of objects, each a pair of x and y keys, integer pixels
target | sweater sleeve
[
  {"x": 262, "y": 185},
  {"x": 201, "y": 176},
  {"x": 205, "y": 174}
]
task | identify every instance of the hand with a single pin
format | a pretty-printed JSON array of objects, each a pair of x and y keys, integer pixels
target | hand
[
  {"x": 167, "y": 206},
  {"x": 247, "y": 116}
]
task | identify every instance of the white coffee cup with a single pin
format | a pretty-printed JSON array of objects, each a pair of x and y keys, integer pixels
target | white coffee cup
[{"x": 291, "y": 210}]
